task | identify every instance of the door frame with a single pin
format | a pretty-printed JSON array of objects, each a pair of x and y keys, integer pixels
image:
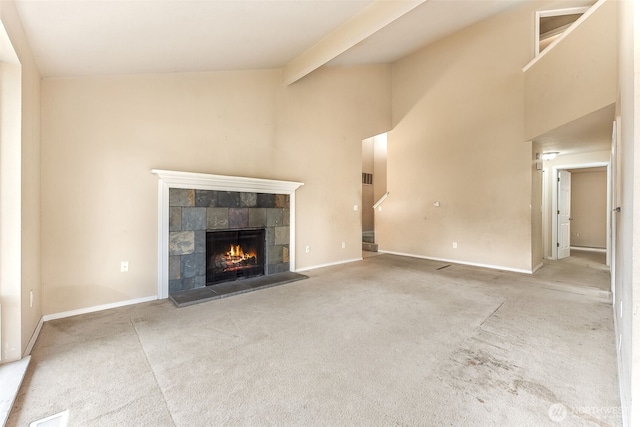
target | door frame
[
  {"x": 561, "y": 250},
  {"x": 554, "y": 204}
]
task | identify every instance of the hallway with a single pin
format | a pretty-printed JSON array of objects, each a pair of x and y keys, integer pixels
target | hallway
[{"x": 583, "y": 269}]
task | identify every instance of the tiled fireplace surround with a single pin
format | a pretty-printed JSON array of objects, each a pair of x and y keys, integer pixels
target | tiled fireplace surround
[
  {"x": 194, "y": 212},
  {"x": 206, "y": 200}
]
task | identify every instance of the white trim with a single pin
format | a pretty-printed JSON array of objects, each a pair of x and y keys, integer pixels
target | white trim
[
  {"x": 381, "y": 200},
  {"x": 546, "y": 254},
  {"x": 203, "y": 181},
  {"x": 550, "y": 13},
  {"x": 11, "y": 376},
  {"x": 537, "y": 267},
  {"x": 200, "y": 181},
  {"x": 564, "y": 35},
  {"x": 554, "y": 199},
  {"x": 588, "y": 249},
  {"x": 472, "y": 264},
  {"x": 95, "y": 308},
  {"x": 331, "y": 264},
  {"x": 34, "y": 338},
  {"x": 61, "y": 420}
]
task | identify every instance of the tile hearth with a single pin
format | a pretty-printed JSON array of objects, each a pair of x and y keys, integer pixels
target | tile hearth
[{"x": 223, "y": 290}]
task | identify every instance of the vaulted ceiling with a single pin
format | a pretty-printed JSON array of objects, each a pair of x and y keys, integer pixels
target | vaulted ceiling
[
  {"x": 100, "y": 37},
  {"x": 105, "y": 37}
]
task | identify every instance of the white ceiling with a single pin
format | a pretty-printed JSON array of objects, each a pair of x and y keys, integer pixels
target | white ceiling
[
  {"x": 102, "y": 37},
  {"x": 89, "y": 37}
]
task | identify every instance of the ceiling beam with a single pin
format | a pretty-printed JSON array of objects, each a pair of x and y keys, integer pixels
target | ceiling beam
[{"x": 371, "y": 19}]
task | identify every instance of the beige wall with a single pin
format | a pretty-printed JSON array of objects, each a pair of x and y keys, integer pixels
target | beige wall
[
  {"x": 19, "y": 318},
  {"x": 589, "y": 208},
  {"x": 458, "y": 139},
  {"x": 103, "y": 135},
  {"x": 627, "y": 249},
  {"x": 537, "y": 213},
  {"x": 585, "y": 63},
  {"x": 322, "y": 120}
]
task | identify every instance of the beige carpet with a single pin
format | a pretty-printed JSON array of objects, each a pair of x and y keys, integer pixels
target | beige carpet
[{"x": 385, "y": 341}]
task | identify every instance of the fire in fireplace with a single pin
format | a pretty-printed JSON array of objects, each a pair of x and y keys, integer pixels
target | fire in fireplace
[{"x": 234, "y": 254}]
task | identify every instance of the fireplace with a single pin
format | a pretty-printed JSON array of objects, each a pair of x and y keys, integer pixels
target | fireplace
[
  {"x": 234, "y": 255},
  {"x": 190, "y": 204}
]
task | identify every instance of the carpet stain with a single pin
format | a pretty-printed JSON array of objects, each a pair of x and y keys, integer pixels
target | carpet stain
[
  {"x": 544, "y": 393},
  {"x": 536, "y": 389}
]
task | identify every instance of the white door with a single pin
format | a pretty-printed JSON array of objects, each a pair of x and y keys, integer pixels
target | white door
[{"x": 564, "y": 214}]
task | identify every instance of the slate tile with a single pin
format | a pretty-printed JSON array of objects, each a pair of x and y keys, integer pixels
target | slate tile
[
  {"x": 228, "y": 199},
  {"x": 194, "y": 218},
  {"x": 257, "y": 217},
  {"x": 181, "y": 242},
  {"x": 205, "y": 198},
  {"x": 174, "y": 267},
  {"x": 238, "y": 217},
  {"x": 175, "y": 219},
  {"x": 181, "y": 197},
  {"x": 266, "y": 200},
  {"x": 217, "y": 218},
  {"x": 282, "y": 201},
  {"x": 282, "y": 235},
  {"x": 248, "y": 200},
  {"x": 275, "y": 217},
  {"x": 192, "y": 265},
  {"x": 200, "y": 242}
]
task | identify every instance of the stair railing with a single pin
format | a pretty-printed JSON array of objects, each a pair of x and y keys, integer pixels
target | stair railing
[{"x": 381, "y": 200}]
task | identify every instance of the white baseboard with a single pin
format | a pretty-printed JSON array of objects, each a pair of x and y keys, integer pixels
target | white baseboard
[
  {"x": 298, "y": 270},
  {"x": 472, "y": 264},
  {"x": 34, "y": 337},
  {"x": 588, "y": 249},
  {"x": 11, "y": 376},
  {"x": 93, "y": 309},
  {"x": 537, "y": 267}
]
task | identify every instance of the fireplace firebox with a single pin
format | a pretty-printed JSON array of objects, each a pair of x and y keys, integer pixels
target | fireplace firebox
[{"x": 234, "y": 255}]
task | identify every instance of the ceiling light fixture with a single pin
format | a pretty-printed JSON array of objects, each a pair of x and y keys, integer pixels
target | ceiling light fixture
[{"x": 549, "y": 156}]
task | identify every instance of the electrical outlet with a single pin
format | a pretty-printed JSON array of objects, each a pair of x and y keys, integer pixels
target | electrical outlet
[
  {"x": 124, "y": 266},
  {"x": 31, "y": 299},
  {"x": 455, "y": 245},
  {"x": 355, "y": 207},
  {"x": 344, "y": 245},
  {"x": 307, "y": 249}
]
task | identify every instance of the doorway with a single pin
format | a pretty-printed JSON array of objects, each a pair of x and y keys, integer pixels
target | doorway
[
  {"x": 580, "y": 210},
  {"x": 564, "y": 214},
  {"x": 374, "y": 186}
]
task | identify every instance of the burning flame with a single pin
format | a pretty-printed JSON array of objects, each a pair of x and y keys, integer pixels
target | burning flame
[
  {"x": 236, "y": 254},
  {"x": 235, "y": 251}
]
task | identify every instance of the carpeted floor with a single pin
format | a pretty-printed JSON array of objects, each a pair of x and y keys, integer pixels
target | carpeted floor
[{"x": 385, "y": 341}]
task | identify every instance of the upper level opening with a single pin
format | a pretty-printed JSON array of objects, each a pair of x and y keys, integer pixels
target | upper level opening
[{"x": 550, "y": 24}]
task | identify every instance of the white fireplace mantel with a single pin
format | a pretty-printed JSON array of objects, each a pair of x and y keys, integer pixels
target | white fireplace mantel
[{"x": 200, "y": 181}]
